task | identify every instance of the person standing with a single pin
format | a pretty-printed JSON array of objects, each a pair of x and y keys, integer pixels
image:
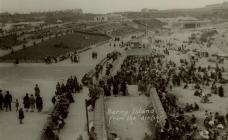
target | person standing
[
  {"x": 21, "y": 115},
  {"x": 8, "y": 101},
  {"x": 39, "y": 103},
  {"x": 53, "y": 100},
  {"x": 76, "y": 84},
  {"x": 115, "y": 88},
  {"x": 37, "y": 90},
  {"x": 16, "y": 104},
  {"x": 107, "y": 90},
  {"x": 32, "y": 103},
  {"x": 221, "y": 91},
  {"x": 26, "y": 102},
  {"x": 70, "y": 97},
  {"x": 124, "y": 88},
  {"x": 1, "y": 99}
]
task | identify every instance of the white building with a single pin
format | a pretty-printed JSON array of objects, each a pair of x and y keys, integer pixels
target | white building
[{"x": 189, "y": 23}]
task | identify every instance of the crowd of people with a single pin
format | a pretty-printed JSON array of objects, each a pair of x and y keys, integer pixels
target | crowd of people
[
  {"x": 88, "y": 77},
  {"x": 149, "y": 71},
  {"x": 156, "y": 71},
  {"x": 29, "y": 103},
  {"x": 62, "y": 99},
  {"x": 49, "y": 60}
]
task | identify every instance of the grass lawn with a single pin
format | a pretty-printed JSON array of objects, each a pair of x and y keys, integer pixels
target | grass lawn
[{"x": 49, "y": 48}]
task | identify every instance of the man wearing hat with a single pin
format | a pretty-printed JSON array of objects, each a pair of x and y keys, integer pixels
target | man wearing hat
[{"x": 8, "y": 101}]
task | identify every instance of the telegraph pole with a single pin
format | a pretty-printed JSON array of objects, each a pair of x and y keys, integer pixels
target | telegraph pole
[{"x": 87, "y": 116}]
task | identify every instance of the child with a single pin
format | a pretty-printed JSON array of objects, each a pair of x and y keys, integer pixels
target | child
[
  {"x": 16, "y": 104},
  {"x": 21, "y": 115},
  {"x": 32, "y": 102}
]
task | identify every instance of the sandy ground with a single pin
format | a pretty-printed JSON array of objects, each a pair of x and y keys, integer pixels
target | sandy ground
[
  {"x": 127, "y": 129},
  {"x": 217, "y": 104}
]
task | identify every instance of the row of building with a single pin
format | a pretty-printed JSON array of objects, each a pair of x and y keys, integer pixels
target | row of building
[{"x": 109, "y": 17}]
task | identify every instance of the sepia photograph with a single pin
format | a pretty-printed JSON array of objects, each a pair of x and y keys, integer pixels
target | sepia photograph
[{"x": 113, "y": 69}]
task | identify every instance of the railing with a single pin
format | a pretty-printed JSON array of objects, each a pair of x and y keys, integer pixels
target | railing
[
  {"x": 158, "y": 107},
  {"x": 99, "y": 119},
  {"x": 90, "y": 33}
]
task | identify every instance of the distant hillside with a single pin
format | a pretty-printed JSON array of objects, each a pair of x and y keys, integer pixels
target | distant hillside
[
  {"x": 209, "y": 12},
  {"x": 201, "y": 13}
]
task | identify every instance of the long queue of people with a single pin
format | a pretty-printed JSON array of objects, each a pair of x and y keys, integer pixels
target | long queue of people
[
  {"x": 87, "y": 78},
  {"x": 103, "y": 85},
  {"x": 99, "y": 87},
  {"x": 61, "y": 100}
]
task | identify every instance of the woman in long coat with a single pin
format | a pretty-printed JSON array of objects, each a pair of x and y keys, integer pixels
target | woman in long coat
[
  {"x": 115, "y": 88},
  {"x": 26, "y": 102},
  {"x": 39, "y": 103}
]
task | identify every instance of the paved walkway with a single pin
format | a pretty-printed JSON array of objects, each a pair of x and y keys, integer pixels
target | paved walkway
[
  {"x": 76, "y": 120},
  {"x": 99, "y": 113},
  {"x": 76, "y": 123},
  {"x": 99, "y": 120}
]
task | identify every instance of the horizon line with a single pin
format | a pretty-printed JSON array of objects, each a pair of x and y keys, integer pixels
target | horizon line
[{"x": 121, "y": 11}]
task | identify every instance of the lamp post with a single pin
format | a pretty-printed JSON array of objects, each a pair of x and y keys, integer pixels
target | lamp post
[{"x": 87, "y": 116}]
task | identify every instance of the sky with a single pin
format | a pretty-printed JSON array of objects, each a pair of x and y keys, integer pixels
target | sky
[{"x": 99, "y": 6}]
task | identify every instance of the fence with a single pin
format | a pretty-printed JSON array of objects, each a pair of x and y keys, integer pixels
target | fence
[{"x": 99, "y": 119}]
